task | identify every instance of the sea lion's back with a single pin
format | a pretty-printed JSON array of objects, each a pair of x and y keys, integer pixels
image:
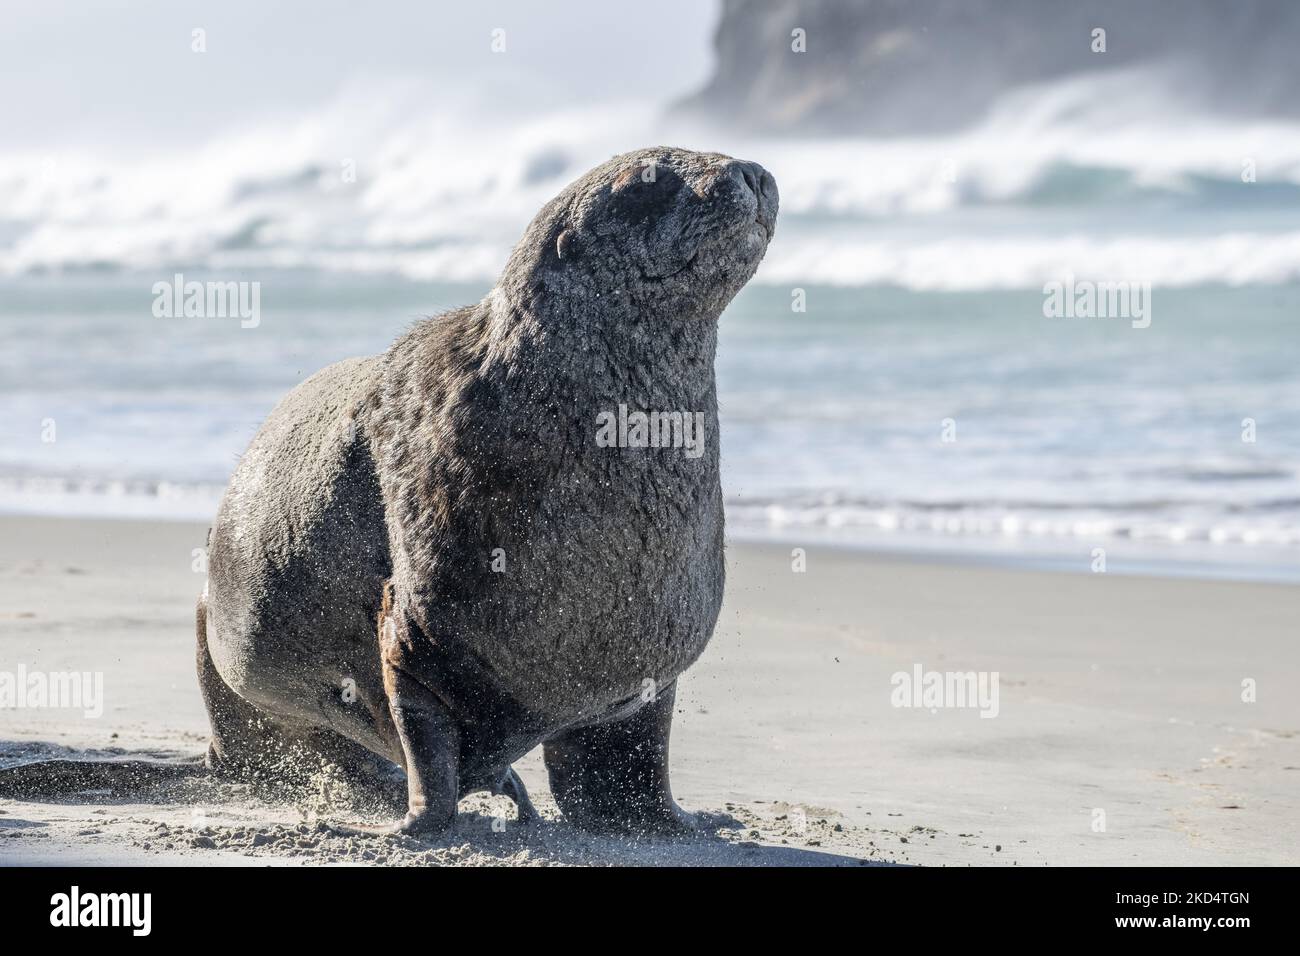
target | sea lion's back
[{"x": 299, "y": 550}]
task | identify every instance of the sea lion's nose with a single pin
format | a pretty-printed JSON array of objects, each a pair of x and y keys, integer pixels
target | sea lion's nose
[
  {"x": 761, "y": 183},
  {"x": 752, "y": 174}
]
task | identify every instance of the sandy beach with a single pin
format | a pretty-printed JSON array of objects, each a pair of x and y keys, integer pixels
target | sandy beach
[{"x": 1121, "y": 735}]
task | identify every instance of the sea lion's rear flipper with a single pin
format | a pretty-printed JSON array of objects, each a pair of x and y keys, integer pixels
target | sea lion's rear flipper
[
  {"x": 54, "y": 779},
  {"x": 59, "y": 778}
]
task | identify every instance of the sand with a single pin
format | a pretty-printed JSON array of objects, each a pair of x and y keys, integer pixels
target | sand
[{"x": 1121, "y": 734}]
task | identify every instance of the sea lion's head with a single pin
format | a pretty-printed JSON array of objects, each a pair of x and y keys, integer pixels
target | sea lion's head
[{"x": 659, "y": 233}]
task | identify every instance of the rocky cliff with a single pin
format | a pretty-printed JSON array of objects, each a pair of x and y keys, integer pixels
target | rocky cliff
[{"x": 909, "y": 66}]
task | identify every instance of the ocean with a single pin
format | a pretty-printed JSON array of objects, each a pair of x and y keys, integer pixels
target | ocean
[{"x": 889, "y": 380}]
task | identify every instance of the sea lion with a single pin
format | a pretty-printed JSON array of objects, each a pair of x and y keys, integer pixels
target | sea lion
[{"x": 430, "y": 556}]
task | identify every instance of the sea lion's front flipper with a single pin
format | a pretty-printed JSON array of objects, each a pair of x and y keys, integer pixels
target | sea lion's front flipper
[
  {"x": 431, "y": 747},
  {"x": 614, "y": 776},
  {"x": 429, "y": 735}
]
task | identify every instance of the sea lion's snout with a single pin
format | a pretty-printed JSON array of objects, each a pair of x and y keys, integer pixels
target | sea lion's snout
[{"x": 759, "y": 184}]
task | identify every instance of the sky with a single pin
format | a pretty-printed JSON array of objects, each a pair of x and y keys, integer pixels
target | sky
[{"x": 113, "y": 72}]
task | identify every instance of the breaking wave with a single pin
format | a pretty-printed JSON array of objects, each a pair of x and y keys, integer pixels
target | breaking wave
[{"x": 1069, "y": 177}]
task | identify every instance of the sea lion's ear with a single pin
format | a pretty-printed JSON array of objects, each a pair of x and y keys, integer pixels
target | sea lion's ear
[{"x": 565, "y": 245}]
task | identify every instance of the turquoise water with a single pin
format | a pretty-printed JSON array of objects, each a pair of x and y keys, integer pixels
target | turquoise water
[{"x": 1068, "y": 434}]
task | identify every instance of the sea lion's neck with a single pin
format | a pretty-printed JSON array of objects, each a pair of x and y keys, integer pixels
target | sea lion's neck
[{"x": 600, "y": 350}]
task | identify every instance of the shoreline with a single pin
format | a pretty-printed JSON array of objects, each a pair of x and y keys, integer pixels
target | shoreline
[
  {"x": 1117, "y": 693},
  {"x": 1123, "y": 558}
]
